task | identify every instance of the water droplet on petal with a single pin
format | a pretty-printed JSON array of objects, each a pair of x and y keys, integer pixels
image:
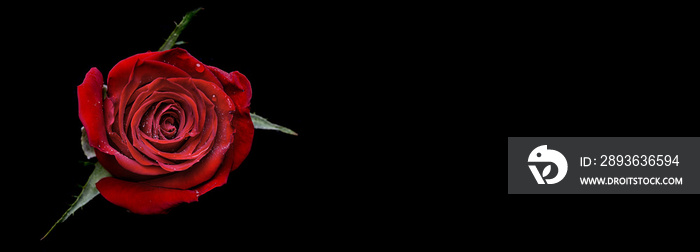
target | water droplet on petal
[
  {"x": 199, "y": 67},
  {"x": 213, "y": 98}
]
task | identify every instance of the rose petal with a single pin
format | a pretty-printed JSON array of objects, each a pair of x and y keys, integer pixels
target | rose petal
[
  {"x": 236, "y": 86},
  {"x": 145, "y": 71},
  {"x": 208, "y": 166},
  {"x": 141, "y": 198},
  {"x": 118, "y": 77},
  {"x": 91, "y": 113},
  {"x": 116, "y": 140},
  {"x": 192, "y": 151},
  {"x": 227, "y": 94},
  {"x": 113, "y": 167},
  {"x": 182, "y": 59},
  {"x": 243, "y": 140},
  {"x": 242, "y": 99},
  {"x": 223, "y": 76},
  {"x": 135, "y": 167}
]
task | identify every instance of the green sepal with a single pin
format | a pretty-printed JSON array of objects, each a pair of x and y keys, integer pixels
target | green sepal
[
  {"x": 260, "y": 122},
  {"x": 87, "y": 149},
  {"x": 88, "y": 192}
]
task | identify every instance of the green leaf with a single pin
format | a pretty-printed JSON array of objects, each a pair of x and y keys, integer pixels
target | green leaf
[
  {"x": 88, "y": 193},
  {"x": 172, "y": 39},
  {"x": 261, "y": 123}
]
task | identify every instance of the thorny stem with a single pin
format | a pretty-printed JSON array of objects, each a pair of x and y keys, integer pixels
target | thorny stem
[{"x": 178, "y": 29}]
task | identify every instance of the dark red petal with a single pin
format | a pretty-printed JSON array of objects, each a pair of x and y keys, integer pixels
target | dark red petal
[
  {"x": 242, "y": 99},
  {"x": 236, "y": 86},
  {"x": 145, "y": 71},
  {"x": 222, "y": 75},
  {"x": 208, "y": 166},
  {"x": 120, "y": 73},
  {"x": 243, "y": 137},
  {"x": 109, "y": 113},
  {"x": 242, "y": 141},
  {"x": 91, "y": 113},
  {"x": 180, "y": 58},
  {"x": 133, "y": 166},
  {"x": 141, "y": 198},
  {"x": 164, "y": 90},
  {"x": 113, "y": 167}
]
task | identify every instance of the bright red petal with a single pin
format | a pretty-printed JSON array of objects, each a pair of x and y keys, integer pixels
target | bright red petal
[
  {"x": 237, "y": 87},
  {"x": 141, "y": 198},
  {"x": 90, "y": 111}
]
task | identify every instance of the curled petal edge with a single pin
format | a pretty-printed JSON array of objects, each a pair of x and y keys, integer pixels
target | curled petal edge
[{"x": 141, "y": 198}]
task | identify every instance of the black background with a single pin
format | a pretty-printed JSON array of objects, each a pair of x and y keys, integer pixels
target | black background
[
  {"x": 592, "y": 69},
  {"x": 599, "y": 70},
  {"x": 371, "y": 90},
  {"x": 309, "y": 70}
]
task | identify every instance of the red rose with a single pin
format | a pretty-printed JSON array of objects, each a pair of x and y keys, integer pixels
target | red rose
[{"x": 169, "y": 129}]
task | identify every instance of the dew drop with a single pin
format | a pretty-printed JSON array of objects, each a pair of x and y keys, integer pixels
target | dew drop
[
  {"x": 213, "y": 98},
  {"x": 199, "y": 67}
]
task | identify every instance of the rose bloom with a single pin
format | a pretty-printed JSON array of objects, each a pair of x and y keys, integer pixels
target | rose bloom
[{"x": 168, "y": 130}]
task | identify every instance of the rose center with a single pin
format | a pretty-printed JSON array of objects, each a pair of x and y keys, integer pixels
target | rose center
[
  {"x": 163, "y": 120},
  {"x": 168, "y": 126}
]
